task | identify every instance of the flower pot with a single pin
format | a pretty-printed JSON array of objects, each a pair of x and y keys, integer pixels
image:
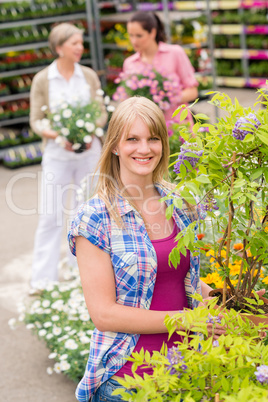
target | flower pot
[
  {"x": 256, "y": 319},
  {"x": 81, "y": 149}
]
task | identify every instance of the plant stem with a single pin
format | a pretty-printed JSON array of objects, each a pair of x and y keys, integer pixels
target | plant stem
[{"x": 230, "y": 218}]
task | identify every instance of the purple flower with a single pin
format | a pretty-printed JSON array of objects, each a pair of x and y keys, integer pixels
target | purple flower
[
  {"x": 213, "y": 319},
  {"x": 262, "y": 374},
  {"x": 175, "y": 358},
  {"x": 209, "y": 203},
  {"x": 184, "y": 156},
  {"x": 215, "y": 344},
  {"x": 245, "y": 125}
]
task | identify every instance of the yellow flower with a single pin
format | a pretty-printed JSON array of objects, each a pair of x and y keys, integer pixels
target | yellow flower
[
  {"x": 120, "y": 28},
  {"x": 265, "y": 280},
  {"x": 213, "y": 278},
  {"x": 234, "y": 281},
  {"x": 209, "y": 253}
]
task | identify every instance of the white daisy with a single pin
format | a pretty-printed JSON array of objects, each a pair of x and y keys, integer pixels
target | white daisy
[
  {"x": 67, "y": 113},
  {"x": 99, "y": 132},
  {"x": 80, "y": 123}
]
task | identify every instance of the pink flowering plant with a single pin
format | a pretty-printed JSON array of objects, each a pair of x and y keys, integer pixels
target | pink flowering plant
[{"x": 161, "y": 88}]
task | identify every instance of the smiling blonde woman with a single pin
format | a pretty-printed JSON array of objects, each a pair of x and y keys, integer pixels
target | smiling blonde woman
[{"x": 122, "y": 239}]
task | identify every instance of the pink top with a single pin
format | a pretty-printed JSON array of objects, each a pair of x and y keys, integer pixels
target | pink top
[
  {"x": 169, "y": 294},
  {"x": 170, "y": 59}
]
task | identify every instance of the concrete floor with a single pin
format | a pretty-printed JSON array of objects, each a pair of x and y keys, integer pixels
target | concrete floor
[{"x": 24, "y": 358}]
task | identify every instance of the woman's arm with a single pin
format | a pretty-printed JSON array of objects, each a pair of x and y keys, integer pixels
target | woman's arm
[
  {"x": 98, "y": 284},
  {"x": 189, "y": 94},
  {"x": 205, "y": 290},
  {"x": 37, "y": 100},
  {"x": 185, "y": 72}
]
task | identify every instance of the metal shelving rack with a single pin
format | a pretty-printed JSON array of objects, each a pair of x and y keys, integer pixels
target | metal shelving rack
[
  {"x": 87, "y": 14},
  {"x": 244, "y": 54}
]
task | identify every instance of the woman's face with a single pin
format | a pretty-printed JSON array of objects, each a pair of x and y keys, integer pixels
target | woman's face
[
  {"x": 139, "y": 153},
  {"x": 72, "y": 49},
  {"x": 140, "y": 39}
]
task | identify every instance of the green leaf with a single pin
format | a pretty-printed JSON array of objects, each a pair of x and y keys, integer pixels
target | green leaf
[
  {"x": 201, "y": 383},
  {"x": 263, "y": 138},
  {"x": 188, "y": 197},
  {"x": 147, "y": 356},
  {"x": 169, "y": 211},
  {"x": 245, "y": 383},
  {"x": 186, "y": 239},
  {"x": 256, "y": 174},
  {"x": 183, "y": 171},
  {"x": 242, "y": 200},
  {"x": 193, "y": 188},
  {"x": 236, "y": 384},
  {"x": 183, "y": 114},
  {"x": 201, "y": 116},
  {"x": 203, "y": 179},
  {"x": 202, "y": 169},
  {"x": 225, "y": 384},
  {"x": 178, "y": 202},
  {"x": 266, "y": 174},
  {"x": 177, "y": 111},
  {"x": 249, "y": 138}
]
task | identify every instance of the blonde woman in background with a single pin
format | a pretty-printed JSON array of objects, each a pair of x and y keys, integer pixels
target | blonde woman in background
[{"x": 65, "y": 80}]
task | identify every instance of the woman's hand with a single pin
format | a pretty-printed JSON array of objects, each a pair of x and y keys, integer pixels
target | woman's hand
[
  {"x": 49, "y": 134},
  {"x": 260, "y": 292},
  {"x": 214, "y": 327},
  {"x": 68, "y": 146}
]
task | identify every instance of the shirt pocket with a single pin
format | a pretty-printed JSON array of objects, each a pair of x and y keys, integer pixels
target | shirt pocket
[{"x": 126, "y": 271}]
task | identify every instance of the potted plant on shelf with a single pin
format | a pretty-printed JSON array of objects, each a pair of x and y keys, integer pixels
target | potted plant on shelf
[{"x": 225, "y": 167}]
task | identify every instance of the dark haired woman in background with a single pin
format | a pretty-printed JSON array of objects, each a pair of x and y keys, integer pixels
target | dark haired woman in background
[{"x": 147, "y": 35}]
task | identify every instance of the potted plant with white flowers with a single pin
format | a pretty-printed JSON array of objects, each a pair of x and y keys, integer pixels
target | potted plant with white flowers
[{"x": 76, "y": 122}]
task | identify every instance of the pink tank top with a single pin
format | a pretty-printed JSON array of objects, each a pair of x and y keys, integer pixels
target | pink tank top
[{"x": 169, "y": 294}]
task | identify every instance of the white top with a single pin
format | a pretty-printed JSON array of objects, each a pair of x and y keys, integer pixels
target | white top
[{"x": 60, "y": 90}]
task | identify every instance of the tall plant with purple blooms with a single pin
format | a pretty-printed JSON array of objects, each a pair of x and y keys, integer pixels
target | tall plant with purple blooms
[
  {"x": 245, "y": 125},
  {"x": 225, "y": 167},
  {"x": 188, "y": 157}
]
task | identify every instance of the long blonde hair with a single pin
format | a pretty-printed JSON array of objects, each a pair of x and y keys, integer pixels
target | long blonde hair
[{"x": 109, "y": 184}]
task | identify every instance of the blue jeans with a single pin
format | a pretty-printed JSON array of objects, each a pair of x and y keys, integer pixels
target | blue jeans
[{"x": 104, "y": 392}]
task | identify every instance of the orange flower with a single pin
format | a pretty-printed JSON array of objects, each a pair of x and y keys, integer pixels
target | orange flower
[
  {"x": 200, "y": 236},
  {"x": 206, "y": 247},
  {"x": 238, "y": 246},
  {"x": 220, "y": 239}
]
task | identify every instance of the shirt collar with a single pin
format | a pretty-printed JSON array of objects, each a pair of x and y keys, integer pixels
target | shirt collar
[
  {"x": 124, "y": 206},
  {"x": 162, "y": 47},
  {"x": 53, "y": 71}
]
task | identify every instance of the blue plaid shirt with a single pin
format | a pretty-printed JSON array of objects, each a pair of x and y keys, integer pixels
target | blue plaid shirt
[{"x": 135, "y": 266}]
